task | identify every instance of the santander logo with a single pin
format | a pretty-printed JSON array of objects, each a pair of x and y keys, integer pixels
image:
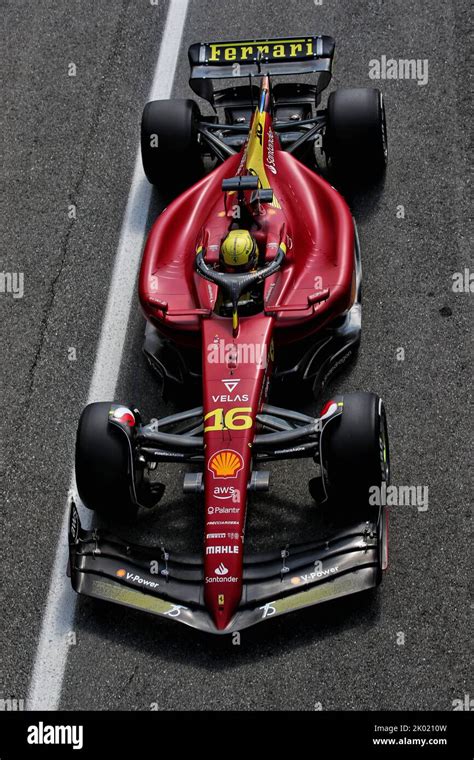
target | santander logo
[
  {"x": 221, "y": 569},
  {"x": 270, "y": 163}
]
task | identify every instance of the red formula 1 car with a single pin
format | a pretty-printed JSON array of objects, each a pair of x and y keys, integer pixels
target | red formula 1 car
[{"x": 250, "y": 283}]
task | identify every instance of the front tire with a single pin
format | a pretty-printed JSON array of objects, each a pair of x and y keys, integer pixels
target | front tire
[
  {"x": 103, "y": 465},
  {"x": 356, "y": 457}
]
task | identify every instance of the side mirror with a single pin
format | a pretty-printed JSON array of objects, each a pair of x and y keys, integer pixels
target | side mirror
[
  {"x": 245, "y": 182},
  {"x": 265, "y": 196}
]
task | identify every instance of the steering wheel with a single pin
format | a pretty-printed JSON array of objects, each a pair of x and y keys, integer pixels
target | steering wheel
[{"x": 235, "y": 284}]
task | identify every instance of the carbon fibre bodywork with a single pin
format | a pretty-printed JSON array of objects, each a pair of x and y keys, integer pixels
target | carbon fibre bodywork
[
  {"x": 343, "y": 562},
  {"x": 293, "y": 317}
]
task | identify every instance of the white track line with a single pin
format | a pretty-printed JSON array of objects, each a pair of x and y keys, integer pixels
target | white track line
[{"x": 58, "y": 621}]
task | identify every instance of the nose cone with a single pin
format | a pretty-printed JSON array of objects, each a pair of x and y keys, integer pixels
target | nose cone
[{"x": 222, "y": 604}]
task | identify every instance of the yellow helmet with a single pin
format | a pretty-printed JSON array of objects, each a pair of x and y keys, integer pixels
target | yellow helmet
[{"x": 238, "y": 251}]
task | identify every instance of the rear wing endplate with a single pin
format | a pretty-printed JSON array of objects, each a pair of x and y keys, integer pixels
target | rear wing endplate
[{"x": 243, "y": 58}]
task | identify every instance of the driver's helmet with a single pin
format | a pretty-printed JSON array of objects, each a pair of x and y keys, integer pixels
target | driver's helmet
[{"x": 239, "y": 252}]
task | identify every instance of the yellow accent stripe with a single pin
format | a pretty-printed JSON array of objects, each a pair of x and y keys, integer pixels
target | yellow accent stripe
[
  {"x": 133, "y": 597},
  {"x": 337, "y": 587},
  {"x": 254, "y": 162},
  {"x": 258, "y": 42}
]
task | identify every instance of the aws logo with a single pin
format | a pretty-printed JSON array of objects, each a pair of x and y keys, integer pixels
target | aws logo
[{"x": 227, "y": 492}]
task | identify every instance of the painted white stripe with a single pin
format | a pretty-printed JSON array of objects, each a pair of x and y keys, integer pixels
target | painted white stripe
[{"x": 58, "y": 620}]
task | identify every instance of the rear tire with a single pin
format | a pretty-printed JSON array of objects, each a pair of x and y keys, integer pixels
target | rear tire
[
  {"x": 356, "y": 456},
  {"x": 170, "y": 150},
  {"x": 356, "y": 134},
  {"x": 103, "y": 469}
]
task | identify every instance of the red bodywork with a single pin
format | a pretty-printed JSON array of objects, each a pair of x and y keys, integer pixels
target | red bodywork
[{"x": 312, "y": 220}]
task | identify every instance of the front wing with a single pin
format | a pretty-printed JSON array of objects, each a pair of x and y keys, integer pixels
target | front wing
[{"x": 171, "y": 585}]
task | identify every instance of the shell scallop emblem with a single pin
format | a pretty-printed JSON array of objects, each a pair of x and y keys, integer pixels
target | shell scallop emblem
[{"x": 226, "y": 464}]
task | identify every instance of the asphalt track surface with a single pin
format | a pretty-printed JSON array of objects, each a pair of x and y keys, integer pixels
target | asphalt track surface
[{"x": 73, "y": 140}]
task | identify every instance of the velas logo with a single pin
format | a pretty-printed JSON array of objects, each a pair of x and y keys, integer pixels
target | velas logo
[
  {"x": 231, "y": 383},
  {"x": 226, "y": 464},
  {"x": 123, "y": 415},
  {"x": 224, "y": 398}
]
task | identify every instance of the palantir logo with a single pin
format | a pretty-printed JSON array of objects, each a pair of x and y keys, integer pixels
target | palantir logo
[{"x": 41, "y": 734}]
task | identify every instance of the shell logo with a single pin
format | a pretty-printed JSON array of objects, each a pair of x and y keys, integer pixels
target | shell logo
[
  {"x": 121, "y": 573},
  {"x": 226, "y": 464}
]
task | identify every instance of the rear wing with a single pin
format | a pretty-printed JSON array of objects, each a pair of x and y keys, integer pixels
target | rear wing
[{"x": 244, "y": 58}]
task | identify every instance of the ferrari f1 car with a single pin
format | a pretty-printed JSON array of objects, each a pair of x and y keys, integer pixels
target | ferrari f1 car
[{"x": 250, "y": 283}]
